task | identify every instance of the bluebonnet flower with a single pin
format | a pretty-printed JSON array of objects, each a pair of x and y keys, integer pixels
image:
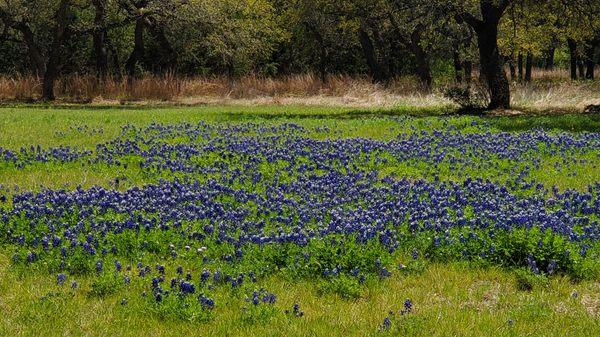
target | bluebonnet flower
[
  {"x": 118, "y": 266},
  {"x": 332, "y": 194},
  {"x": 61, "y": 278},
  {"x": 387, "y": 323},
  {"x": 532, "y": 264},
  {"x": 551, "y": 266},
  {"x": 99, "y": 266},
  {"x": 187, "y": 288},
  {"x": 408, "y": 305}
]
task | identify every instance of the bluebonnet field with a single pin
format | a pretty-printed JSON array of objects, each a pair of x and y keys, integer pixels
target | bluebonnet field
[{"x": 195, "y": 214}]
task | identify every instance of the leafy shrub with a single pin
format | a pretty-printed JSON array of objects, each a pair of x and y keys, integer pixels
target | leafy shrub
[
  {"x": 179, "y": 308},
  {"x": 470, "y": 98},
  {"x": 342, "y": 285},
  {"x": 106, "y": 284},
  {"x": 527, "y": 280}
]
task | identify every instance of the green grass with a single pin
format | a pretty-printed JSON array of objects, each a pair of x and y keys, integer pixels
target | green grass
[
  {"x": 54, "y": 126},
  {"x": 449, "y": 300},
  {"x": 48, "y": 126},
  {"x": 452, "y": 299}
]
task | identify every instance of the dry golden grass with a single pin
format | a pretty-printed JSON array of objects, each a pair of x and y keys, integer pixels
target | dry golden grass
[{"x": 549, "y": 90}]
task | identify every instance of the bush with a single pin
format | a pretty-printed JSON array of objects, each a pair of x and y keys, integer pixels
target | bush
[
  {"x": 527, "y": 280},
  {"x": 342, "y": 285},
  {"x": 106, "y": 284},
  {"x": 470, "y": 98}
]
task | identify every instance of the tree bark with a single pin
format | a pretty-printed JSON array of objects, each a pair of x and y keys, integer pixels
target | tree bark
[
  {"x": 115, "y": 60},
  {"x": 381, "y": 54},
  {"x": 99, "y": 38},
  {"x": 528, "y": 67},
  {"x": 138, "y": 47},
  {"x": 322, "y": 66},
  {"x": 37, "y": 59},
  {"x": 590, "y": 62},
  {"x": 168, "y": 57},
  {"x": 369, "y": 52},
  {"x": 468, "y": 65},
  {"x": 512, "y": 68},
  {"x": 581, "y": 68},
  {"x": 458, "y": 68},
  {"x": 492, "y": 67},
  {"x": 423, "y": 68},
  {"x": 549, "y": 64},
  {"x": 520, "y": 66},
  {"x": 53, "y": 65},
  {"x": 573, "y": 58}
]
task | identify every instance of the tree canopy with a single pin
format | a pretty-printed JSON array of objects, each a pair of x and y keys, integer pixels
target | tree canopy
[{"x": 381, "y": 38}]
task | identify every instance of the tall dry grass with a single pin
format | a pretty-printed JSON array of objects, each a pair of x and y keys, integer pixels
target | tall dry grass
[{"x": 550, "y": 89}]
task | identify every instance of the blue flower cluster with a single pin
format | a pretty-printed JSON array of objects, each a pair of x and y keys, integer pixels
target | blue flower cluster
[{"x": 239, "y": 201}]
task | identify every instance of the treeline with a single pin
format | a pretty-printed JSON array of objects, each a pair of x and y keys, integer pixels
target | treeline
[{"x": 382, "y": 38}]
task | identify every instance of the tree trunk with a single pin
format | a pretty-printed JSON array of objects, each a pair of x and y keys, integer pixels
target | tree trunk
[
  {"x": 138, "y": 48},
  {"x": 100, "y": 35},
  {"x": 458, "y": 69},
  {"x": 423, "y": 68},
  {"x": 323, "y": 65},
  {"x": 383, "y": 60},
  {"x": 590, "y": 62},
  {"x": 369, "y": 52},
  {"x": 322, "y": 51},
  {"x": 115, "y": 60},
  {"x": 520, "y": 66},
  {"x": 468, "y": 65},
  {"x": 581, "y": 68},
  {"x": 549, "y": 65},
  {"x": 168, "y": 58},
  {"x": 528, "y": 67},
  {"x": 573, "y": 57},
  {"x": 491, "y": 66},
  {"x": 53, "y": 65},
  {"x": 37, "y": 60},
  {"x": 513, "y": 70}
]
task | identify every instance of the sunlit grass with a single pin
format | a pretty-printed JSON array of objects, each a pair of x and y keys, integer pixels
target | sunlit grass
[{"x": 449, "y": 299}]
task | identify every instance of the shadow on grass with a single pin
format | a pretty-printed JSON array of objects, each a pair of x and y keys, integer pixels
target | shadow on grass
[
  {"x": 571, "y": 122},
  {"x": 566, "y": 120}
]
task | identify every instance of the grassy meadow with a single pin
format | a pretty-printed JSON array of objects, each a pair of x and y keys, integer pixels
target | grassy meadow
[{"x": 231, "y": 157}]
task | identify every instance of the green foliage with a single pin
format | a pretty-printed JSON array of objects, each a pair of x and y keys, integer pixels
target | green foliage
[
  {"x": 258, "y": 314},
  {"x": 177, "y": 309},
  {"x": 106, "y": 284},
  {"x": 344, "y": 286},
  {"x": 470, "y": 99},
  {"x": 527, "y": 280}
]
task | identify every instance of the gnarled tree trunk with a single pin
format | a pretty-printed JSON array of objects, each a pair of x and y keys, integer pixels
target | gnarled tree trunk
[
  {"x": 590, "y": 61},
  {"x": 375, "y": 68},
  {"x": 528, "y": 67},
  {"x": 53, "y": 66},
  {"x": 138, "y": 47},
  {"x": 549, "y": 64},
  {"x": 573, "y": 58},
  {"x": 421, "y": 56},
  {"x": 520, "y": 66},
  {"x": 99, "y": 37},
  {"x": 458, "y": 68},
  {"x": 492, "y": 67}
]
